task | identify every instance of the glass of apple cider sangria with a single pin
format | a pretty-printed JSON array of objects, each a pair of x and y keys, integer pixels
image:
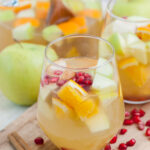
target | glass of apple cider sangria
[
  {"x": 129, "y": 33},
  {"x": 80, "y": 105}
]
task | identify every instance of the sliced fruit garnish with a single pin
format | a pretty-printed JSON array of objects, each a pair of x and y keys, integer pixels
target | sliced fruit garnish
[
  {"x": 20, "y": 21},
  {"x": 127, "y": 62},
  {"x": 118, "y": 41},
  {"x": 91, "y": 13},
  {"x": 103, "y": 84},
  {"x": 23, "y": 32},
  {"x": 105, "y": 68},
  {"x": 138, "y": 74},
  {"x": 144, "y": 33},
  {"x": 60, "y": 107},
  {"x": 139, "y": 51},
  {"x": 6, "y": 15},
  {"x": 72, "y": 94},
  {"x": 51, "y": 33},
  {"x": 98, "y": 122},
  {"x": 42, "y": 9},
  {"x": 72, "y": 53},
  {"x": 69, "y": 27}
]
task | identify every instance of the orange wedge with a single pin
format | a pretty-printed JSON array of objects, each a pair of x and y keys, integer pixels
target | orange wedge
[
  {"x": 91, "y": 13},
  {"x": 34, "y": 22},
  {"x": 42, "y": 9},
  {"x": 127, "y": 62},
  {"x": 137, "y": 74},
  {"x": 143, "y": 33},
  {"x": 72, "y": 53}
]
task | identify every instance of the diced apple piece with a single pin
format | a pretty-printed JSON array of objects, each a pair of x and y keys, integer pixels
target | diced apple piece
[
  {"x": 103, "y": 84},
  {"x": 6, "y": 15},
  {"x": 98, "y": 122},
  {"x": 51, "y": 33},
  {"x": 105, "y": 68},
  {"x": 118, "y": 42},
  {"x": 26, "y": 13},
  {"x": 23, "y": 32},
  {"x": 139, "y": 51}
]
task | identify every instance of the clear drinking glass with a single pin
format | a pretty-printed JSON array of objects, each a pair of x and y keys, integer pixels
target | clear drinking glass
[
  {"x": 129, "y": 32},
  {"x": 80, "y": 104}
]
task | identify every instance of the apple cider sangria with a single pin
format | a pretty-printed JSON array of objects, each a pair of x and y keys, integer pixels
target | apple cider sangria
[
  {"x": 80, "y": 105},
  {"x": 130, "y": 36}
]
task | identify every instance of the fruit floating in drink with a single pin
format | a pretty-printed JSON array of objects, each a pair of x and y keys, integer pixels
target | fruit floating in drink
[
  {"x": 130, "y": 36},
  {"x": 29, "y": 21},
  {"x": 80, "y": 105}
]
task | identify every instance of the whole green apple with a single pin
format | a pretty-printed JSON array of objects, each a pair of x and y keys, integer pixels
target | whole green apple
[
  {"x": 20, "y": 71},
  {"x": 132, "y": 8}
]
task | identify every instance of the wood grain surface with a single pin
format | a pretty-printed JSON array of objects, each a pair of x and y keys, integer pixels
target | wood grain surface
[{"x": 27, "y": 127}]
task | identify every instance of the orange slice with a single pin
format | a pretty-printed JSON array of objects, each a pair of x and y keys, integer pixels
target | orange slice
[
  {"x": 60, "y": 107},
  {"x": 91, "y": 13},
  {"x": 127, "y": 62},
  {"x": 72, "y": 53},
  {"x": 144, "y": 33},
  {"x": 42, "y": 9},
  {"x": 20, "y": 21},
  {"x": 20, "y": 8},
  {"x": 138, "y": 74}
]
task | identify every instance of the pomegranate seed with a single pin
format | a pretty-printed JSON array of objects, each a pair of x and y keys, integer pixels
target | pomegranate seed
[
  {"x": 141, "y": 126},
  {"x": 61, "y": 82},
  {"x": 78, "y": 74},
  {"x": 58, "y": 72},
  {"x": 147, "y": 133},
  {"x": 127, "y": 114},
  {"x": 39, "y": 141},
  {"x": 122, "y": 146},
  {"x": 137, "y": 114},
  {"x": 128, "y": 122},
  {"x": 134, "y": 111},
  {"x": 86, "y": 75},
  {"x": 107, "y": 147},
  {"x": 113, "y": 140},
  {"x": 142, "y": 112},
  {"x": 88, "y": 82},
  {"x": 148, "y": 123},
  {"x": 136, "y": 119},
  {"x": 123, "y": 131},
  {"x": 53, "y": 79},
  {"x": 131, "y": 142},
  {"x": 80, "y": 79}
]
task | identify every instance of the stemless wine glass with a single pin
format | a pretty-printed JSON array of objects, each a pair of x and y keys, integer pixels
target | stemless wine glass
[
  {"x": 129, "y": 32},
  {"x": 80, "y": 105}
]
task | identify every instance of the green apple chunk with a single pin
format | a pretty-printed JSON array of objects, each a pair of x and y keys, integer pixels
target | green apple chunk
[
  {"x": 118, "y": 42},
  {"x": 89, "y": 4},
  {"x": 26, "y": 13},
  {"x": 139, "y": 51},
  {"x": 74, "y": 5},
  {"x": 20, "y": 71},
  {"x": 98, "y": 122},
  {"x": 105, "y": 68},
  {"x": 6, "y": 15},
  {"x": 51, "y": 33},
  {"x": 103, "y": 84},
  {"x": 23, "y": 32}
]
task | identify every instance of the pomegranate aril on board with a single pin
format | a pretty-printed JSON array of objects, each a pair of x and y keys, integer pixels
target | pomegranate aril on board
[
  {"x": 39, "y": 141},
  {"x": 123, "y": 131},
  {"x": 142, "y": 112},
  {"x": 148, "y": 123},
  {"x": 107, "y": 147},
  {"x": 113, "y": 140},
  {"x": 147, "y": 133},
  {"x": 131, "y": 142},
  {"x": 136, "y": 119},
  {"x": 141, "y": 126},
  {"x": 122, "y": 146},
  {"x": 128, "y": 122},
  {"x": 127, "y": 114},
  {"x": 134, "y": 111}
]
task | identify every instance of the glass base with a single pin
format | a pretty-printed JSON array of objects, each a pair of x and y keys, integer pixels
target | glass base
[{"x": 136, "y": 102}]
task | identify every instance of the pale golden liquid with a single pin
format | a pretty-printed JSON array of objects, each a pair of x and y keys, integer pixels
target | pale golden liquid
[{"x": 73, "y": 134}]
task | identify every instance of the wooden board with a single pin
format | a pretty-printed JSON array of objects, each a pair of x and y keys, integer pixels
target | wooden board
[{"x": 28, "y": 129}]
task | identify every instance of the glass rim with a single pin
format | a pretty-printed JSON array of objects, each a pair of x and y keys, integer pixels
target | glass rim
[
  {"x": 109, "y": 11},
  {"x": 84, "y": 36}
]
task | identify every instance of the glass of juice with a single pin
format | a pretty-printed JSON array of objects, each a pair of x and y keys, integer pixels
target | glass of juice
[
  {"x": 129, "y": 32},
  {"x": 80, "y": 104}
]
